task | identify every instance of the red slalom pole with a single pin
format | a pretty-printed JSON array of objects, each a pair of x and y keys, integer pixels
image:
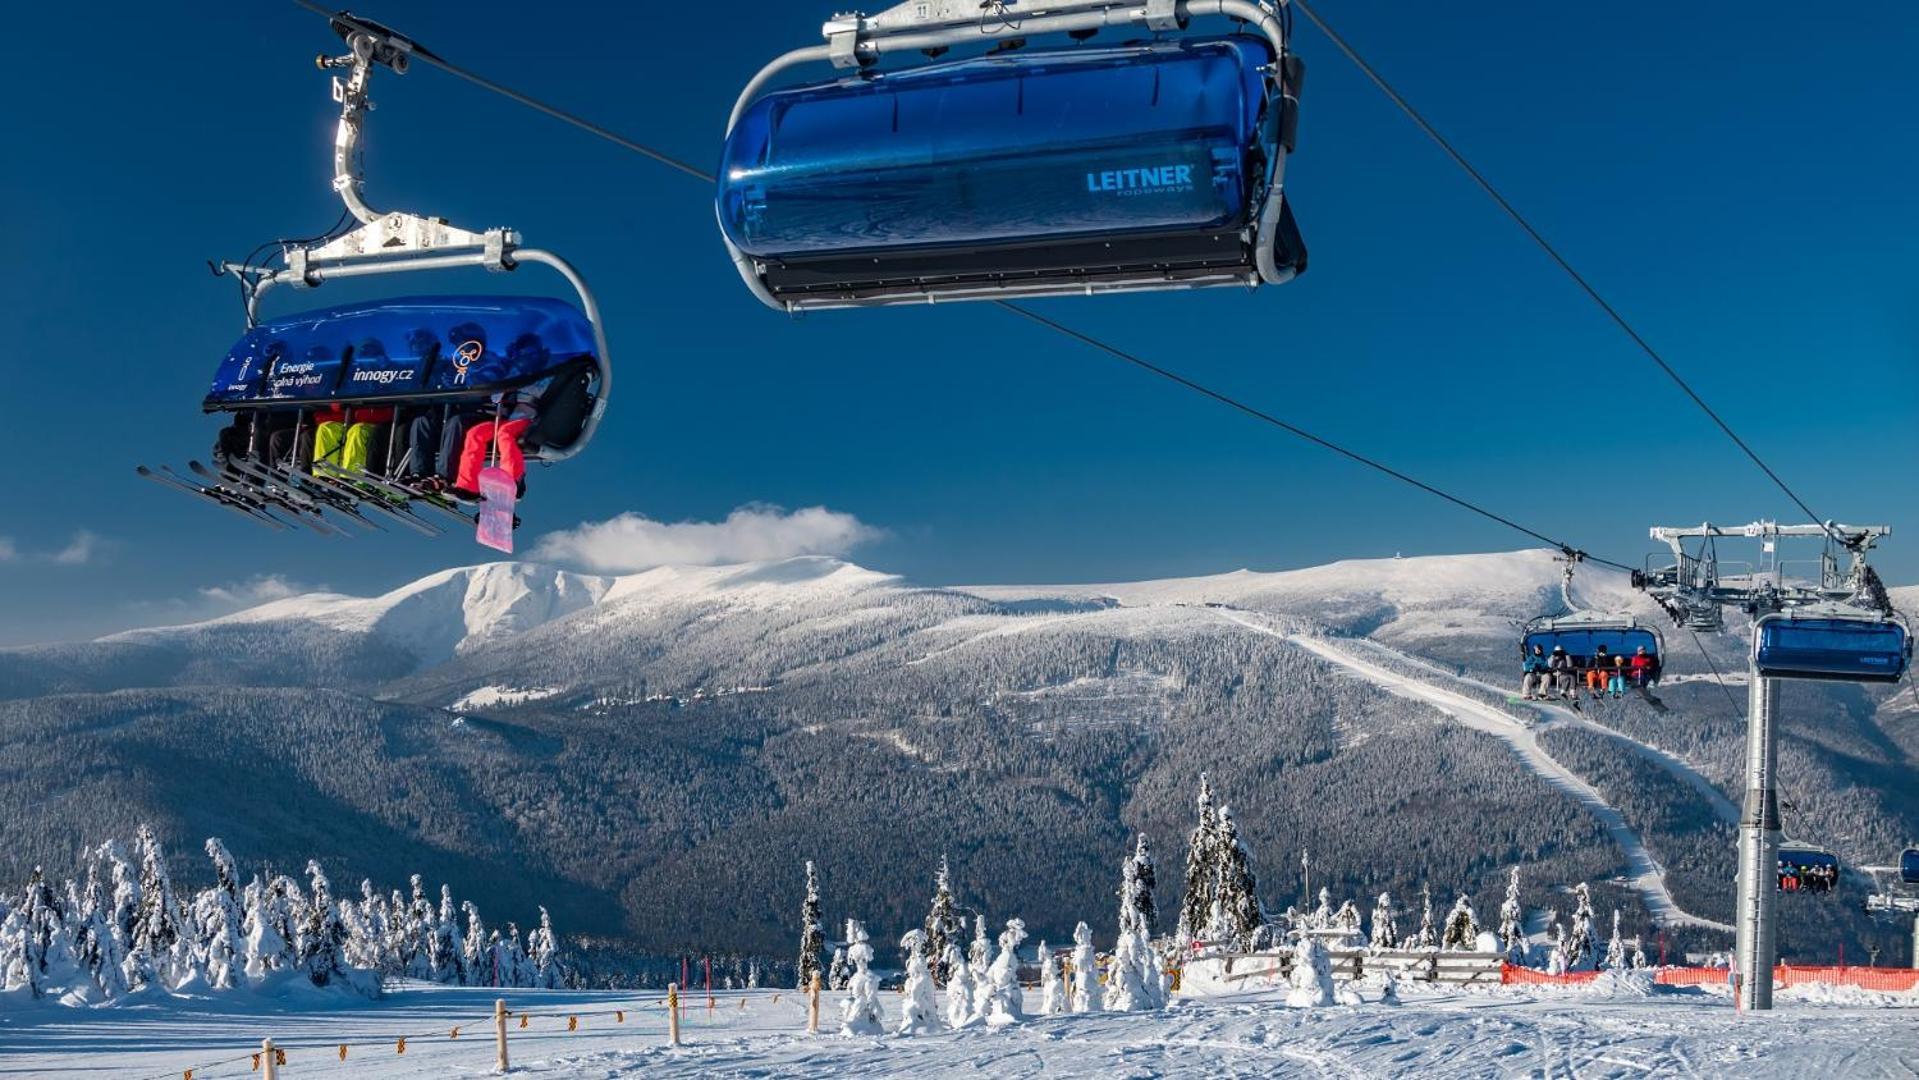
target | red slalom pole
[{"x": 683, "y": 979}]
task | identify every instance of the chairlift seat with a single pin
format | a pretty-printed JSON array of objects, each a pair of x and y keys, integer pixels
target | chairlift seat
[{"x": 1070, "y": 169}]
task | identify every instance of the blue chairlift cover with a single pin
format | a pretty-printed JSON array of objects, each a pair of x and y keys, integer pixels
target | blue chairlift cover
[
  {"x": 1852, "y": 650},
  {"x": 1583, "y": 644},
  {"x": 1158, "y": 137},
  {"x": 426, "y": 347},
  {"x": 1909, "y": 866}
]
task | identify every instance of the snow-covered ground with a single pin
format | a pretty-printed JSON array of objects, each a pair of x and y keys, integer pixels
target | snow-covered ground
[{"x": 1433, "y": 1033}]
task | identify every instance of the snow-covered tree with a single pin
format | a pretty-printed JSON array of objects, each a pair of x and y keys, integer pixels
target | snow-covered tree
[
  {"x": 1347, "y": 918},
  {"x": 1581, "y": 949},
  {"x": 1005, "y": 1002},
  {"x": 1052, "y": 998},
  {"x": 97, "y": 943},
  {"x": 162, "y": 952},
  {"x": 479, "y": 960},
  {"x": 1127, "y": 987},
  {"x": 543, "y": 954},
  {"x": 1385, "y": 932},
  {"x": 979, "y": 954},
  {"x": 1428, "y": 935},
  {"x": 919, "y": 1011},
  {"x": 1196, "y": 906},
  {"x": 219, "y": 915},
  {"x": 943, "y": 923},
  {"x": 1146, "y": 879},
  {"x": 1639, "y": 961},
  {"x": 1559, "y": 961},
  {"x": 321, "y": 940},
  {"x": 39, "y": 944},
  {"x": 1312, "y": 977},
  {"x": 860, "y": 1010},
  {"x": 959, "y": 987},
  {"x": 1322, "y": 914},
  {"x": 1512, "y": 921},
  {"x": 268, "y": 928},
  {"x": 812, "y": 930},
  {"x": 421, "y": 963},
  {"x": 449, "y": 945},
  {"x": 1615, "y": 946},
  {"x": 839, "y": 973},
  {"x": 1462, "y": 927},
  {"x": 1085, "y": 996},
  {"x": 1237, "y": 913}
]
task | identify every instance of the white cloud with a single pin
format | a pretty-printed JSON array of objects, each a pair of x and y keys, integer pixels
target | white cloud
[
  {"x": 260, "y": 589},
  {"x": 8, "y": 552},
  {"x": 79, "y": 551},
  {"x": 633, "y": 542}
]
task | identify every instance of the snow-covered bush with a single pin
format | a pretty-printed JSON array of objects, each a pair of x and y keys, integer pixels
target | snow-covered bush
[
  {"x": 1085, "y": 995},
  {"x": 860, "y": 1009},
  {"x": 1005, "y": 1002},
  {"x": 1312, "y": 975},
  {"x": 919, "y": 1012}
]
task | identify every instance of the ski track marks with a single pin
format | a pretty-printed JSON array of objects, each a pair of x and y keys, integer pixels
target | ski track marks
[{"x": 1645, "y": 874}]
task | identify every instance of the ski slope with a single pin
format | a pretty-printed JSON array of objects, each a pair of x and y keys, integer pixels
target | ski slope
[
  {"x": 1644, "y": 873},
  {"x": 1433, "y": 1033}
]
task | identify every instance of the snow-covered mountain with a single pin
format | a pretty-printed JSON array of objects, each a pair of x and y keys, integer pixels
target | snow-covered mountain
[{"x": 611, "y": 739}]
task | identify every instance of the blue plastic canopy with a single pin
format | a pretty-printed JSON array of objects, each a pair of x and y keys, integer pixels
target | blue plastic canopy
[
  {"x": 437, "y": 347},
  {"x": 1850, "y": 650},
  {"x": 1018, "y": 146},
  {"x": 1583, "y": 645}
]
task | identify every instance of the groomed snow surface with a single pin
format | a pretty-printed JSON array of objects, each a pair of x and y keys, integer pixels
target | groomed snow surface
[{"x": 1622, "y": 1029}]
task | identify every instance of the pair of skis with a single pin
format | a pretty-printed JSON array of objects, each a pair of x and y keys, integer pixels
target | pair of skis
[{"x": 281, "y": 499}]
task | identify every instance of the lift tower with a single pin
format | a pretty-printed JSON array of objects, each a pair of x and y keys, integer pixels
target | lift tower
[{"x": 1695, "y": 589}]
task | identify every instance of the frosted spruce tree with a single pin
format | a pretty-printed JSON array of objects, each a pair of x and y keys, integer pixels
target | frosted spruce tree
[
  {"x": 839, "y": 974},
  {"x": 543, "y": 954},
  {"x": 164, "y": 951},
  {"x": 1462, "y": 927},
  {"x": 1385, "y": 932},
  {"x": 1615, "y": 946},
  {"x": 860, "y": 1010},
  {"x": 38, "y": 944},
  {"x": 959, "y": 988},
  {"x": 321, "y": 943},
  {"x": 919, "y": 1010},
  {"x": 1322, "y": 914},
  {"x": 812, "y": 931},
  {"x": 421, "y": 963},
  {"x": 1581, "y": 949},
  {"x": 943, "y": 924},
  {"x": 1131, "y": 984},
  {"x": 1202, "y": 862},
  {"x": 1005, "y": 1002},
  {"x": 1052, "y": 996},
  {"x": 1428, "y": 935},
  {"x": 449, "y": 945},
  {"x": 1086, "y": 995},
  {"x": 1512, "y": 922},
  {"x": 479, "y": 962},
  {"x": 1347, "y": 918},
  {"x": 100, "y": 948},
  {"x": 1237, "y": 913},
  {"x": 219, "y": 915},
  {"x": 1559, "y": 960},
  {"x": 1146, "y": 879}
]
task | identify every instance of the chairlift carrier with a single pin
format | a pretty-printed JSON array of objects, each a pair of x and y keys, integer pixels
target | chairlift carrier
[
  {"x": 399, "y": 242},
  {"x": 1833, "y": 642},
  {"x": 1582, "y": 632},
  {"x": 1795, "y": 859},
  {"x": 1909, "y": 866},
  {"x": 1153, "y": 164}
]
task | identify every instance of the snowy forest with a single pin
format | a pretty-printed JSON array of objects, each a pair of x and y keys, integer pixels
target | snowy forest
[
  {"x": 1220, "y": 914},
  {"x": 122, "y": 930}
]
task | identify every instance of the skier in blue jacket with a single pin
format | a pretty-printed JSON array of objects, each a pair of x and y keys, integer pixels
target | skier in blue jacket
[{"x": 1537, "y": 679}]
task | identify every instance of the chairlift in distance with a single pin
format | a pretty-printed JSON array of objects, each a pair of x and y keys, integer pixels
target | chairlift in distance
[
  {"x": 407, "y": 353},
  {"x": 1805, "y": 868},
  {"x": 1086, "y": 167},
  {"x": 1909, "y": 866}
]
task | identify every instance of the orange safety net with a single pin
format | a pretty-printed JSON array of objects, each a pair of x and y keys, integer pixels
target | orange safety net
[{"x": 1883, "y": 980}]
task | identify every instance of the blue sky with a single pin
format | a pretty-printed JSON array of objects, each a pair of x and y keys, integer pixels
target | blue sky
[{"x": 1739, "y": 180}]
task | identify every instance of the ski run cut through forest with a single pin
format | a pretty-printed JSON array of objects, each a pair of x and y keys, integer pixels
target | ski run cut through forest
[{"x": 1375, "y": 788}]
